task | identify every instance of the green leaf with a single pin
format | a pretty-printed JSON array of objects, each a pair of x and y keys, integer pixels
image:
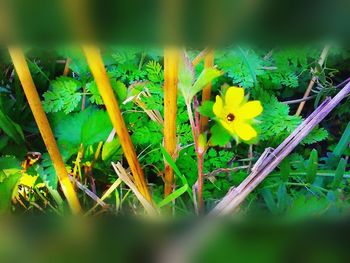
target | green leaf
[
  {"x": 110, "y": 149},
  {"x": 206, "y": 109},
  {"x": 317, "y": 135},
  {"x": 219, "y": 135},
  {"x": 96, "y": 128},
  {"x": 269, "y": 200},
  {"x": 282, "y": 198},
  {"x": 339, "y": 173},
  {"x": 10, "y": 173},
  {"x": 95, "y": 94},
  {"x": 343, "y": 142},
  {"x": 10, "y": 128},
  {"x": 63, "y": 95},
  {"x": 173, "y": 165},
  {"x": 186, "y": 76},
  {"x": 154, "y": 71},
  {"x": 206, "y": 77},
  {"x": 47, "y": 172},
  {"x": 177, "y": 193},
  {"x": 285, "y": 170},
  {"x": 120, "y": 89},
  {"x": 311, "y": 169}
]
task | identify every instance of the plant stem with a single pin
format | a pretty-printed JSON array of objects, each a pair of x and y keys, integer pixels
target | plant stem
[
  {"x": 313, "y": 80},
  {"x": 200, "y": 182},
  {"x": 98, "y": 70},
  {"x": 208, "y": 63},
  {"x": 66, "y": 67},
  {"x": 193, "y": 125},
  {"x": 32, "y": 95},
  {"x": 171, "y": 65},
  {"x": 200, "y": 155}
]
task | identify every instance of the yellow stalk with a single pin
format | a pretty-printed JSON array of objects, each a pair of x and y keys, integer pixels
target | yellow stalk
[
  {"x": 208, "y": 63},
  {"x": 98, "y": 70},
  {"x": 32, "y": 95},
  {"x": 171, "y": 64},
  {"x": 66, "y": 67}
]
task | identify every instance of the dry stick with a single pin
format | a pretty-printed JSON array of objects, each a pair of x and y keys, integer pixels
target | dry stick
[
  {"x": 237, "y": 195},
  {"x": 88, "y": 192},
  {"x": 66, "y": 67},
  {"x": 127, "y": 179},
  {"x": 200, "y": 56},
  {"x": 32, "y": 95},
  {"x": 208, "y": 63},
  {"x": 98, "y": 70},
  {"x": 106, "y": 194},
  {"x": 171, "y": 66},
  {"x": 313, "y": 80}
]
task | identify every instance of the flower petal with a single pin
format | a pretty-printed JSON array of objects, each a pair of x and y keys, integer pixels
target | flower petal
[
  {"x": 229, "y": 126},
  {"x": 250, "y": 110},
  {"x": 218, "y": 106},
  {"x": 244, "y": 130},
  {"x": 234, "y": 97}
]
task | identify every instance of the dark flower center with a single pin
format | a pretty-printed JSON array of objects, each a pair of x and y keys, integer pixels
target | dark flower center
[{"x": 230, "y": 117}]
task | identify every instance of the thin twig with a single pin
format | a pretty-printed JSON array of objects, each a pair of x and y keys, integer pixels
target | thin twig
[{"x": 313, "y": 79}]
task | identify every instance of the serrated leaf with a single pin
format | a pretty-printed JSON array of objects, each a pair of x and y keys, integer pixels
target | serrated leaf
[
  {"x": 47, "y": 172},
  {"x": 316, "y": 135},
  {"x": 63, "y": 95}
]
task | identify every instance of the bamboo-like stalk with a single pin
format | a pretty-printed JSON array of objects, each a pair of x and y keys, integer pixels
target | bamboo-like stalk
[
  {"x": 66, "y": 67},
  {"x": 33, "y": 98},
  {"x": 171, "y": 65},
  {"x": 208, "y": 63},
  {"x": 313, "y": 80},
  {"x": 98, "y": 70}
]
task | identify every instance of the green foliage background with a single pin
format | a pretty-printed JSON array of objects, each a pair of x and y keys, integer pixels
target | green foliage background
[{"x": 313, "y": 180}]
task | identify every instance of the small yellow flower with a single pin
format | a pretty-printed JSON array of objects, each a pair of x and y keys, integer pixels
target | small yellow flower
[{"x": 236, "y": 114}]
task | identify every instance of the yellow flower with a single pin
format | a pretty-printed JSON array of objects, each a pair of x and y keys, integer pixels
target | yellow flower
[{"x": 236, "y": 114}]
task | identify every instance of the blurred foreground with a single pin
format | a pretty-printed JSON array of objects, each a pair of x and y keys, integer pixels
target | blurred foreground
[{"x": 130, "y": 240}]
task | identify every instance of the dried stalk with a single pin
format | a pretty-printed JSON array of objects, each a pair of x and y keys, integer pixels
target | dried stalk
[
  {"x": 267, "y": 164},
  {"x": 66, "y": 67},
  {"x": 208, "y": 63},
  {"x": 201, "y": 56},
  {"x": 98, "y": 70},
  {"x": 313, "y": 80},
  {"x": 127, "y": 179},
  {"x": 106, "y": 194},
  {"x": 88, "y": 192},
  {"x": 32, "y": 95},
  {"x": 171, "y": 66}
]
